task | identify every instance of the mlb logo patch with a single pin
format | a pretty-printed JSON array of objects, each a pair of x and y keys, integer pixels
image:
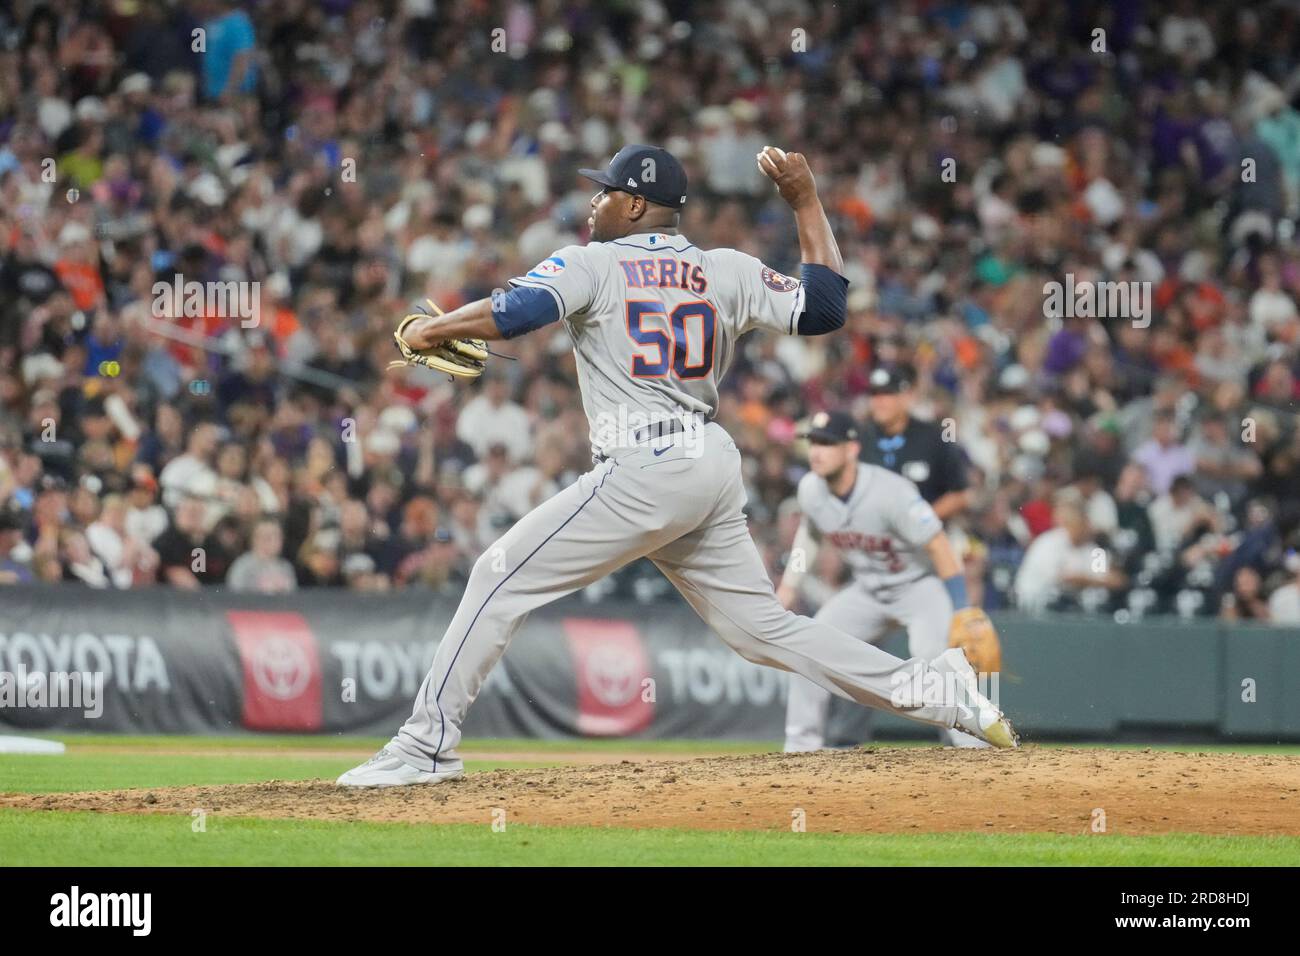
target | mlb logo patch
[
  {"x": 778, "y": 282},
  {"x": 548, "y": 268}
]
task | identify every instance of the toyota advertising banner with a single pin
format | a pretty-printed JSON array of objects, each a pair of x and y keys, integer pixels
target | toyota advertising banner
[
  {"x": 325, "y": 661},
  {"x": 168, "y": 661}
]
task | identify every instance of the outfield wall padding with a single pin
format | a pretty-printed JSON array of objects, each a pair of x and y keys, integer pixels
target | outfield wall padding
[{"x": 336, "y": 662}]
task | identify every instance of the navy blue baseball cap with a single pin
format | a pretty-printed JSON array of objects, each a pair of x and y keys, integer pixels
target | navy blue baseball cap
[
  {"x": 831, "y": 428},
  {"x": 891, "y": 379},
  {"x": 647, "y": 171}
]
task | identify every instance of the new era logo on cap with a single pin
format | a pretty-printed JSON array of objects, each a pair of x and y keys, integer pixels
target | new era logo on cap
[{"x": 648, "y": 171}]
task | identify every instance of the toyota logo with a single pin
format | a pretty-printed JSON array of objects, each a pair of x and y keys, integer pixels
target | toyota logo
[
  {"x": 612, "y": 677},
  {"x": 281, "y": 668}
]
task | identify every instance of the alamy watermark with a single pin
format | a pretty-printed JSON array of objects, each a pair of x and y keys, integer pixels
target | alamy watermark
[
  {"x": 75, "y": 908},
  {"x": 1103, "y": 299},
  {"x": 681, "y": 433},
  {"x": 192, "y": 300},
  {"x": 930, "y": 687},
  {"x": 77, "y": 690}
]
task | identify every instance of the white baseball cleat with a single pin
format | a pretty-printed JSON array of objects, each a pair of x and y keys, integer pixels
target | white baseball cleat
[
  {"x": 976, "y": 714},
  {"x": 386, "y": 769}
]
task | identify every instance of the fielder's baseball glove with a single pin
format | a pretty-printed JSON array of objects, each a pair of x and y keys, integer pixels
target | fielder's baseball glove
[
  {"x": 973, "y": 632},
  {"x": 462, "y": 358}
]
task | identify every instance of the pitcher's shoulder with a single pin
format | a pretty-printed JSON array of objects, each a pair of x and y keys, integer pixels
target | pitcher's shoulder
[
  {"x": 587, "y": 251},
  {"x": 728, "y": 256}
]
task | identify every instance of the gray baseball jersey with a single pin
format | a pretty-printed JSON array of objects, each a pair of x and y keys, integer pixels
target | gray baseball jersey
[
  {"x": 654, "y": 322},
  {"x": 881, "y": 529}
]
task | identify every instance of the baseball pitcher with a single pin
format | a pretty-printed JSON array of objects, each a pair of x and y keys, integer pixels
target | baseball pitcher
[
  {"x": 654, "y": 322},
  {"x": 905, "y": 571}
]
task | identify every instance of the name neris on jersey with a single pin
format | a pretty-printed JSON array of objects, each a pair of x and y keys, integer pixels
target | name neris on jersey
[{"x": 664, "y": 273}]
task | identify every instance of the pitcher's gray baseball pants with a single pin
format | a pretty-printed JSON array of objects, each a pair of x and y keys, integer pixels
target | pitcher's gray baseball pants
[{"x": 677, "y": 502}]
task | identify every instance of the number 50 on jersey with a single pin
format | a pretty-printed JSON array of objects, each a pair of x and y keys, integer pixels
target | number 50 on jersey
[{"x": 681, "y": 340}]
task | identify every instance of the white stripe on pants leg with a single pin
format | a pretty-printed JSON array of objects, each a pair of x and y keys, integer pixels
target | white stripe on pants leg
[{"x": 562, "y": 545}]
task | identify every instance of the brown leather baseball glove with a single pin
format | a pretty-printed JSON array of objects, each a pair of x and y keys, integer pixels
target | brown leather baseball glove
[
  {"x": 462, "y": 358},
  {"x": 973, "y": 632}
]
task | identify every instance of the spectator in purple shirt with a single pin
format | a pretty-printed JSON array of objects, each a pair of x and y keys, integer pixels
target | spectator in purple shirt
[
  {"x": 1163, "y": 456},
  {"x": 1067, "y": 347}
]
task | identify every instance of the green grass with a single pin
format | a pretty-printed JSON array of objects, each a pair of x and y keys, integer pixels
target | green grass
[
  {"x": 29, "y": 838},
  {"x": 95, "y": 770},
  {"x": 21, "y": 773},
  {"x": 98, "y": 762},
  {"x": 339, "y": 742},
  {"x": 325, "y": 742},
  {"x": 88, "y": 766},
  {"x": 219, "y": 742}
]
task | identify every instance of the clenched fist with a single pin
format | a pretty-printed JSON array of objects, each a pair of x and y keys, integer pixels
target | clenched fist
[{"x": 794, "y": 180}]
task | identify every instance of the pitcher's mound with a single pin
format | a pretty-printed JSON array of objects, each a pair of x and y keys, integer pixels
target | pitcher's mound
[{"x": 878, "y": 790}]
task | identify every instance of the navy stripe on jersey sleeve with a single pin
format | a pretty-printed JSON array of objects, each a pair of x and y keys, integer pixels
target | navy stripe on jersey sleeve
[
  {"x": 826, "y": 296},
  {"x": 524, "y": 309}
]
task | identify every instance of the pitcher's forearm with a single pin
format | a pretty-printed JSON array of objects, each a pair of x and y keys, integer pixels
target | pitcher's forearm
[
  {"x": 471, "y": 321},
  {"x": 817, "y": 245}
]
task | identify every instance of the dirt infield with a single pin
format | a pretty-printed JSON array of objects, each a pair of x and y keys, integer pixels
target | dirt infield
[{"x": 889, "y": 790}]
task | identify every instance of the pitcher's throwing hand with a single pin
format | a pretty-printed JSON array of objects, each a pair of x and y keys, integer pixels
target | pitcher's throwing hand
[{"x": 794, "y": 180}]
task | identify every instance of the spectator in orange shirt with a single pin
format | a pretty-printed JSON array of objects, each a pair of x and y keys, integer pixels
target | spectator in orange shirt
[{"x": 78, "y": 267}]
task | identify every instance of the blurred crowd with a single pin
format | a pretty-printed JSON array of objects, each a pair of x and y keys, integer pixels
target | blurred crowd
[{"x": 353, "y": 157}]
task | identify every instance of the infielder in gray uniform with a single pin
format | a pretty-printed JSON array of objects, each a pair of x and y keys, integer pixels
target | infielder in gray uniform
[
  {"x": 905, "y": 571},
  {"x": 654, "y": 322}
]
